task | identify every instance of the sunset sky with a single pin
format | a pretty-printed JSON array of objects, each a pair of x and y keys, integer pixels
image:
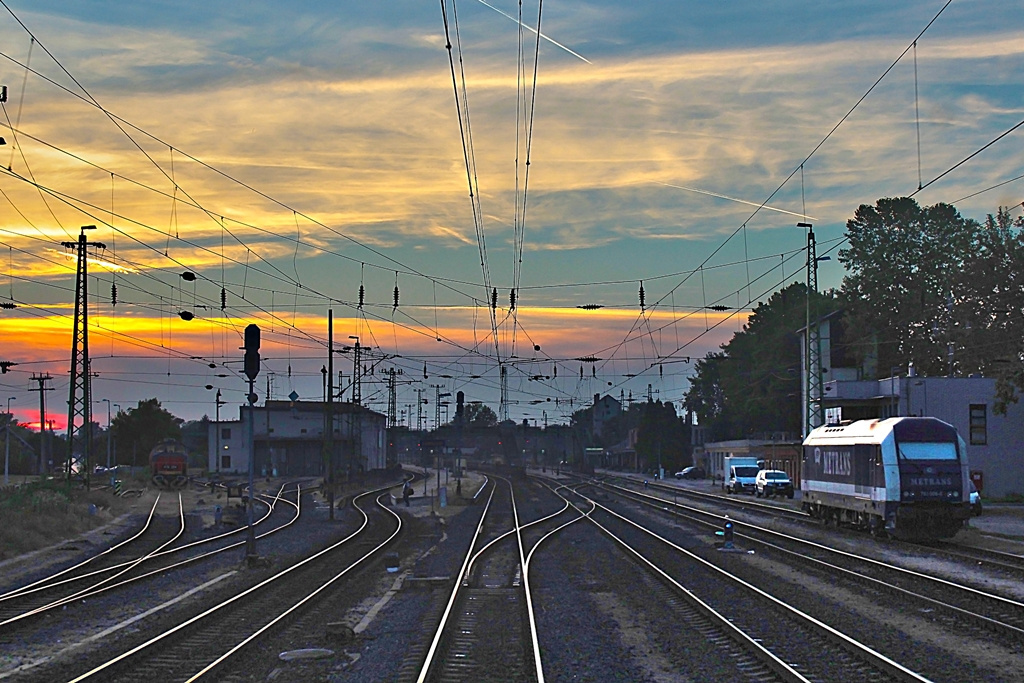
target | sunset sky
[{"x": 290, "y": 153}]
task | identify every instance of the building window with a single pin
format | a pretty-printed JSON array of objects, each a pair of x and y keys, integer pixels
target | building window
[
  {"x": 225, "y": 433},
  {"x": 225, "y": 462},
  {"x": 979, "y": 425}
]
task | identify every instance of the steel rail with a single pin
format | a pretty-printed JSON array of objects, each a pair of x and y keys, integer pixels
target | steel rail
[
  {"x": 88, "y": 591},
  {"x": 122, "y": 657},
  {"x": 237, "y": 648},
  {"x": 986, "y": 622},
  {"x": 463, "y": 573},
  {"x": 45, "y": 583},
  {"x": 111, "y": 549},
  {"x": 909, "y": 573},
  {"x": 894, "y": 669},
  {"x": 93, "y": 590}
]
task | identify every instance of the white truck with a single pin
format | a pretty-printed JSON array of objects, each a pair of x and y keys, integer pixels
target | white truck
[{"x": 739, "y": 474}]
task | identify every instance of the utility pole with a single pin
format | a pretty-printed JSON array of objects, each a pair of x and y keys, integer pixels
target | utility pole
[
  {"x": 812, "y": 338},
  {"x": 437, "y": 404},
  {"x": 329, "y": 414},
  {"x": 419, "y": 410},
  {"x": 107, "y": 401},
  {"x": 503, "y": 404},
  {"x": 357, "y": 373},
  {"x": 80, "y": 399},
  {"x": 392, "y": 397},
  {"x": 44, "y": 444},
  {"x": 357, "y": 401},
  {"x": 7, "y": 440}
]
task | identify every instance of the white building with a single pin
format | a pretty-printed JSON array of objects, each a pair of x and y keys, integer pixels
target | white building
[{"x": 288, "y": 439}]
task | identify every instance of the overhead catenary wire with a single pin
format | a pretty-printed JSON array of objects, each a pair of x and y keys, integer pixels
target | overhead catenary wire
[{"x": 518, "y": 288}]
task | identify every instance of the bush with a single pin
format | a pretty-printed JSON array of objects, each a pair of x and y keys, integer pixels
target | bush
[{"x": 49, "y": 511}]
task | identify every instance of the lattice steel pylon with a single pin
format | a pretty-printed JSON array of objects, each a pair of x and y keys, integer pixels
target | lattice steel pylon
[
  {"x": 80, "y": 396},
  {"x": 392, "y": 398},
  {"x": 813, "y": 337}
]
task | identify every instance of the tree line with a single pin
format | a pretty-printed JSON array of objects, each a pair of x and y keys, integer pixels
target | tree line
[{"x": 924, "y": 285}]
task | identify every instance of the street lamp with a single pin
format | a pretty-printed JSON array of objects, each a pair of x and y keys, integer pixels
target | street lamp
[
  {"x": 107, "y": 401},
  {"x": 7, "y": 444},
  {"x": 117, "y": 407},
  {"x": 216, "y": 450}
]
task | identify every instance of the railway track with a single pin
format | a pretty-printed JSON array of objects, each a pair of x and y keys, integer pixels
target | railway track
[
  {"x": 207, "y": 644},
  {"x": 149, "y": 553},
  {"x": 783, "y": 642},
  {"x": 487, "y": 630},
  {"x": 964, "y": 610}
]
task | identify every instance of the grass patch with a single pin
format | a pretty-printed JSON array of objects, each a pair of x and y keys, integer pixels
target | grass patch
[{"x": 43, "y": 513}]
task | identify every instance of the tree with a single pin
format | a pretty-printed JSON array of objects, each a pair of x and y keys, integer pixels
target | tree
[
  {"x": 907, "y": 266},
  {"x": 138, "y": 429},
  {"x": 993, "y": 300},
  {"x": 944, "y": 292},
  {"x": 480, "y": 415},
  {"x": 195, "y": 434},
  {"x": 753, "y": 385},
  {"x": 662, "y": 436}
]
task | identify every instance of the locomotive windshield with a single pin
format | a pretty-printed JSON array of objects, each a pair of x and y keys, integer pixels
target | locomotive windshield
[{"x": 926, "y": 451}]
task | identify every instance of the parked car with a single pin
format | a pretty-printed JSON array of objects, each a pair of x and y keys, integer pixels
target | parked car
[
  {"x": 975, "y": 500},
  {"x": 773, "y": 483},
  {"x": 692, "y": 472}
]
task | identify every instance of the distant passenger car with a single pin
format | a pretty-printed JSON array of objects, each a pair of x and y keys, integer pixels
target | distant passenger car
[
  {"x": 773, "y": 483},
  {"x": 692, "y": 472},
  {"x": 975, "y": 500}
]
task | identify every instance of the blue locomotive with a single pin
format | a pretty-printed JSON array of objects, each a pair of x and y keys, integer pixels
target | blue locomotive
[{"x": 904, "y": 476}]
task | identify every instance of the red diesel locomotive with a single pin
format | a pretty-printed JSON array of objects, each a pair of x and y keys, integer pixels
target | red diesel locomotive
[{"x": 168, "y": 463}]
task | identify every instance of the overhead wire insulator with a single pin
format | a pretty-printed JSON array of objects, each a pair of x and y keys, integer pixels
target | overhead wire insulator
[
  {"x": 113, "y": 294},
  {"x": 494, "y": 299},
  {"x": 511, "y": 299},
  {"x": 223, "y": 298},
  {"x": 643, "y": 304},
  {"x": 362, "y": 293},
  {"x": 396, "y": 299}
]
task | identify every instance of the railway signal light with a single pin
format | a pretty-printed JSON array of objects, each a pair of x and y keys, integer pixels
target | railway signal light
[
  {"x": 252, "y": 351},
  {"x": 726, "y": 534}
]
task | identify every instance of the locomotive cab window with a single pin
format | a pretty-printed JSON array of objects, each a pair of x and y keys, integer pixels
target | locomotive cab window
[
  {"x": 979, "y": 425},
  {"x": 926, "y": 451}
]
